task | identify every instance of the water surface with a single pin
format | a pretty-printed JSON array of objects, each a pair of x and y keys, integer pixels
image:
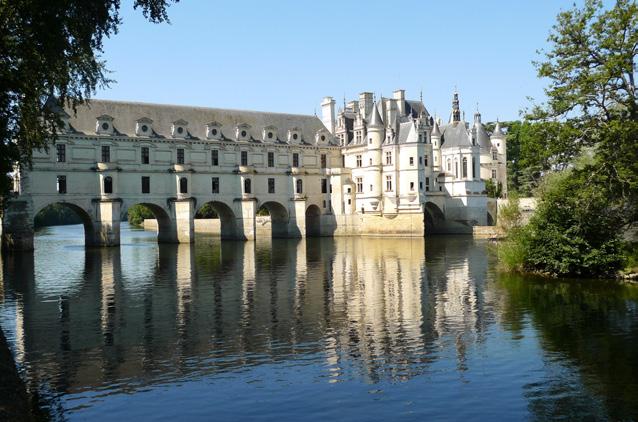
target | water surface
[{"x": 316, "y": 329}]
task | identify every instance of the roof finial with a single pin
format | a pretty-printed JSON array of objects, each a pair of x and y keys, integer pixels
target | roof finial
[
  {"x": 344, "y": 101},
  {"x": 421, "y": 95}
]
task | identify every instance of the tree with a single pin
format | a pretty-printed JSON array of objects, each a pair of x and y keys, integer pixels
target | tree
[
  {"x": 138, "y": 213},
  {"x": 592, "y": 116},
  {"x": 51, "y": 50}
]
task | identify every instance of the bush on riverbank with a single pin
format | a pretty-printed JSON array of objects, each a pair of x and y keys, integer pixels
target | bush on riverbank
[{"x": 137, "y": 214}]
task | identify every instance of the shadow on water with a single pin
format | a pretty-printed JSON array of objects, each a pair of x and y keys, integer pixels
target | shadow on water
[{"x": 326, "y": 318}]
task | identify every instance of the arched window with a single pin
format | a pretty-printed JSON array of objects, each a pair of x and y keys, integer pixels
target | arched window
[
  {"x": 247, "y": 186},
  {"x": 183, "y": 185},
  {"x": 108, "y": 184},
  {"x": 299, "y": 186},
  {"x": 473, "y": 168},
  {"x": 465, "y": 167},
  {"x": 456, "y": 168},
  {"x": 449, "y": 165}
]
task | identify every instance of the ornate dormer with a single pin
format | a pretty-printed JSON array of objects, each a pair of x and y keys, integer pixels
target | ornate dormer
[
  {"x": 242, "y": 132},
  {"x": 144, "y": 127},
  {"x": 214, "y": 130},
  {"x": 269, "y": 134},
  {"x": 179, "y": 129},
  {"x": 104, "y": 125},
  {"x": 294, "y": 136}
]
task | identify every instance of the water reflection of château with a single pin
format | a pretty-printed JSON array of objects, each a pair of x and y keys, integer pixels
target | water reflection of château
[{"x": 373, "y": 308}]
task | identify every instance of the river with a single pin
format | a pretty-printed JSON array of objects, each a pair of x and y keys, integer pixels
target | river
[{"x": 318, "y": 329}]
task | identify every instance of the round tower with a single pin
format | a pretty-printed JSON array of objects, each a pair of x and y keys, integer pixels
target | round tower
[
  {"x": 435, "y": 137},
  {"x": 375, "y": 136},
  {"x": 499, "y": 141}
]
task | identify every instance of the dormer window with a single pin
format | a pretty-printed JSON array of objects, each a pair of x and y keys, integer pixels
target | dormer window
[
  {"x": 294, "y": 135},
  {"x": 144, "y": 127},
  {"x": 104, "y": 125},
  {"x": 213, "y": 130},
  {"x": 179, "y": 129},
  {"x": 270, "y": 133},
  {"x": 242, "y": 132},
  {"x": 321, "y": 137}
]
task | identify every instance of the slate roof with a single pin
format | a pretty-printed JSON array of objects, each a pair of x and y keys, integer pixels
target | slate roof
[
  {"x": 455, "y": 135},
  {"x": 126, "y": 114}
]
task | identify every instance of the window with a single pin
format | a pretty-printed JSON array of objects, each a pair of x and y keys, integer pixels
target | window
[
  {"x": 427, "y": 184},
  {"x": 60, "y": 153},
  {"x": 180, "y": 155},
  {"x": 449, "y": 165},
  {"x": 214, "y": 157},
  {"x": 295, "y": 159},
  {"x": 370, "y": 161},
  {"x": 359, "y": 184},
  {"x": 388, "y": 183},
  {"x": 388, "y": 158},
  {"x": 106, "y": 154},
  {"x": 421, "y": 160},
  {"x": 61, "y": 184},
  {"x": 145, "y": 155},
  {"x": 215, "y": 185},
  {"x": 324, "y": 185},
  {"x": 271, "y": 185},
  {"x": 108, "y": 184},
  {"x": 425, "y": 160},
  {"x": 146, "y": 184},
  {"x": 183, "y": 185},
  {"x": 411, "y": 185},
  {"x": 324, "y": 161},
  {"x": 247, "y": 187},
  {"x": 244, "y": 158},
  {"x": 343, "y": 161},
  {"x": 324, "y": 203},
  {"x": 330, "y": 187},
  {"x": 493, "y": 174},
  {"x": 370, "y": 141},
  {"x": 456, "y": 169},
  {"x": 474, "y": 168},
  {"x": 349, "y": 201},
  {"x": 371, "y": 188},
  {"x": 411, "y": 161},
  {"x": 494, "y": 155},
  {"x": 420, "y": 137},
  {"x": 358, "y": 161},
  {"x": 420, "y": 185},
  {"x": 465, "y": 167},
  {"x": 271, "y": 159},
  {"x": 299, "y": 186}
]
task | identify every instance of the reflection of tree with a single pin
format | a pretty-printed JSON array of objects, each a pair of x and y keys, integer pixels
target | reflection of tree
[{"x": 591, "y": 328}]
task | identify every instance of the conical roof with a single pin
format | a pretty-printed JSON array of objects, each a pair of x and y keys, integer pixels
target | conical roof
[
  {"x": 497, "y": 130},
  {"x": 436, "y": 131},
  {"x": 375, "y": 118}
]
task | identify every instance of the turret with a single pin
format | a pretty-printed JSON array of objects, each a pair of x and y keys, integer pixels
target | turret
[
  {"x": 435, "y": 138},
  {"x": 375, "y": 129},
  {"x": 499, "y": 141}
]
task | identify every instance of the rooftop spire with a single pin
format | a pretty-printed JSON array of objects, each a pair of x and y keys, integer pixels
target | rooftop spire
[
  {"x": 375, "y": 117},
  {"x": 435, "y": 130},
  {"x": 456, "y": 111}
]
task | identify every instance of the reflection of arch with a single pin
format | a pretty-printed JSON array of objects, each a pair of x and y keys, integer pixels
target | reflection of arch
[
  {"x": 278, "y": 218},
  {"x": 433, "y": 218},
  {"x": 227, "y": 219},
  {"x": 313, "y": 221},
  {"x": 165, "y": 232},
  {"x": 85, "y": 217}
]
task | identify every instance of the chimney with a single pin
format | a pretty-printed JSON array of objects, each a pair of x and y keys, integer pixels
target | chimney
[
  {"x": 328, "y": 113},
  {"x": 365, "y": 102},
  {"x": 399, "y": 96}
]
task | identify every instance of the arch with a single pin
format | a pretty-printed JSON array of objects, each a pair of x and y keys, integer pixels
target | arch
[
  {"x": 226, "y": 216},
  {"x": 90, "y": 236},
  {"x": 165, "y": 227},
  {"x": 279, "y": 218},
  {"x": 313, "y": 221},
  {"x": 433, "y": 218}
]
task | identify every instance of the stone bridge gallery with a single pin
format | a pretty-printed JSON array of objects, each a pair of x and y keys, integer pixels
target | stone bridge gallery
[{"x": 381, "y": 167}]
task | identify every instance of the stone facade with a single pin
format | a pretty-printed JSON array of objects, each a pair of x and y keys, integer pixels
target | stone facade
[{"x": 373, "y": 168}]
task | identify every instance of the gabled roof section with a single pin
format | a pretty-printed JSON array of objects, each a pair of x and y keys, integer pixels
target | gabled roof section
[{"x": 163, "y": 116}]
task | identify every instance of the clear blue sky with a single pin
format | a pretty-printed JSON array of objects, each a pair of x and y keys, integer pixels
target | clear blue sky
[{"x": 286, "y": 56}]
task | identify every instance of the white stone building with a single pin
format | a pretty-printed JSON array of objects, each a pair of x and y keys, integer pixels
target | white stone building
[{"x": 374, "y": 168}]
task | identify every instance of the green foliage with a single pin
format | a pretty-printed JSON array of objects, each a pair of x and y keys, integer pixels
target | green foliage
[
  {"x": 206, "y": 211},
  {"x": 590, "y": 126},
  {"x": 509, "y": 215},
  {"x": 572, "y": 233},
  {"x": 262, "y": 212},
  {"x": 138, "y": 213},
  {"x": 494, "y": 189},
  {"x": 56, "y": 215},
  {"x": 51, "y": 48}
]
